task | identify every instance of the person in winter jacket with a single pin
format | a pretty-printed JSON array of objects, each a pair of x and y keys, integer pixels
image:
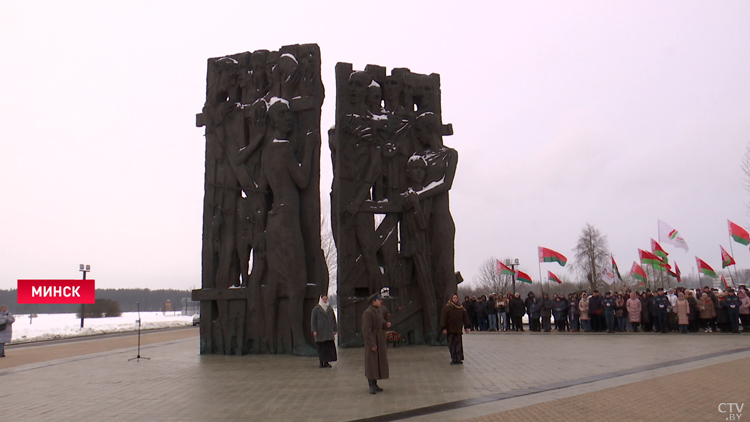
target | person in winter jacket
[
  {"x": 453, "y": 319},
  {"x": 633, "y": 304},
  {"x": 6, "y": 328}
]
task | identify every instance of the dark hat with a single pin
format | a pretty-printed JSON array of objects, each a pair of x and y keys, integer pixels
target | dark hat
[{"x": 372, "y": 297}]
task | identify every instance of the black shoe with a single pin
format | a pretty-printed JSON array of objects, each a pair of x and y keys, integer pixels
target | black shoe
[
  {"x": 378, "y": 389},
  {"x": 327, "y": 365},
  {"x": 373, "y": 388},
  {"x": 322, "y": 365}
]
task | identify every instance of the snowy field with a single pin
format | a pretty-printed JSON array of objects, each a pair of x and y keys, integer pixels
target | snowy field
[{"x": 56, "y": 326}]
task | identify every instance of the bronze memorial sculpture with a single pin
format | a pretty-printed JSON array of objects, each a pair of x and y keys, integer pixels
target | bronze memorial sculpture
[
  {"x": 263, "y": 267},
  {"x": 390, "y": 211}
]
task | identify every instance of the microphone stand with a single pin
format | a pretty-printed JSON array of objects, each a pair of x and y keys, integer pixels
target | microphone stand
[{"x": 138, "y": 356}]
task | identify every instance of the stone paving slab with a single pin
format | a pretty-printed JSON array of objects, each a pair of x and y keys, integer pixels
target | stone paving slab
[
  {"x": 179, "y": 384},
  {"x": 693, "y": 395},
  {"x": 24, "y": 354}
]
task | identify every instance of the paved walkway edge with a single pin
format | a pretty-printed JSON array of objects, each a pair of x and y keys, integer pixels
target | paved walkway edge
[{"x": 462, "y": 405}]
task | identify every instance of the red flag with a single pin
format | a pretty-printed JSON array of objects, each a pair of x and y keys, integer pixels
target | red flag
[
  {"x": 522, "y": 276},
  {"x": 739, "y": 234},
  {"x": 704, "y": 268},
  {"x": 726, "y": 259},
  {"x": 637, "y": 272},
  {"x": 548, "y": 255},
  {"x": 659, "y": 251},
  {"x": 652, "y": 260},
  {"x": 502, "y": 269},
  {"x": 724, "y": 281},
  {"x": 553, "y": 277}
]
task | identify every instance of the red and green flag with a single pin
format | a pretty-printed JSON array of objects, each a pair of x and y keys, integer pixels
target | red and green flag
[
  {"x": 615, "y": 269},
  {"x": 553, "y": 277},
  {"x": 676, "y": 273},
  {"x": 548, "y": 255},
  {"x": 522, "y": 276},
  {"x": 659, "y": 251},
  {"x": 502, "y": 269},
  {"x": 637, "y": 273},
  {"x": 650, "y": 259},
  {"x": 726, "y": 259},
  {"x": 704, "y": 268},
  {"x": 739, "y": 234},
  {"x": 724, "y": 282}
]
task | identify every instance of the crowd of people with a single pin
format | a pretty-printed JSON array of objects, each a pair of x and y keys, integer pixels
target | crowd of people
[{"x": 676, "y": 310}]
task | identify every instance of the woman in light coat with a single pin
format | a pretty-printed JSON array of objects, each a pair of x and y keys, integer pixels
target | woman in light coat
[
  {"x": 583, "y": 307},
  {"x": 634, "y": 310},
  {"x": 6, "y": 322},
  {"x": 682, "y": 309},
  {"x": 324, "y": 328}
]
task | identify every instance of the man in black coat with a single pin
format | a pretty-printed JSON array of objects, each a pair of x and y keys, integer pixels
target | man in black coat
[
  {"x": 661, "y": 303},
  {"x": 732, "y": 304},
  {"x": 595, "y": 312},
  {"x": 469, "y": 306},
  {"x": 533, "y": 308},
  {"x": 516, "y": 308},
  {"x": 546, "y": 311}
]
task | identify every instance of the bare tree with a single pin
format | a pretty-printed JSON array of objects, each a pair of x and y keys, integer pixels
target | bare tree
[
  {"x": 329, "y": 251},
  {"x": 592, "y": 254},
  {"x": 488, "y": 280}
]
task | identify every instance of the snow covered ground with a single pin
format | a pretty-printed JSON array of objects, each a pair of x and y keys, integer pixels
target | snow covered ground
[{"x": 56, "y": 326}]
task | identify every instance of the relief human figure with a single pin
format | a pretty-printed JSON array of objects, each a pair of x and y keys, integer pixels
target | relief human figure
[
  {"x": 441, "y": 170},
  {"x": 256, "y": 81},
  {"x": 360, "y": 164},
  {"x": 224, "y": 131},
  {"x": 284, "y": 77},
  {"x": 415, "y": 244},
  {"x": 285, "y": 176}
]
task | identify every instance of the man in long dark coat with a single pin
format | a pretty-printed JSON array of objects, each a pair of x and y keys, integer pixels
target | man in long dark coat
[
  {"x": 453, "y": 319},
  {"x": 376, "y": 351}
]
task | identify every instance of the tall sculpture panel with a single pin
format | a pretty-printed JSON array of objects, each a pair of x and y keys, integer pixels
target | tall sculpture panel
[
  {"x": 390, "y": 211},
  {"x": 263, "y": 267}
]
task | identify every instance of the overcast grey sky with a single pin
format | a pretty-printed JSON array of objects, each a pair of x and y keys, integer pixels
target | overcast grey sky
[{"x": 611, "y": 113}]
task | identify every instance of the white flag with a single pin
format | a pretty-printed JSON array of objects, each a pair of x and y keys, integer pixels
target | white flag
[
  {"x": 667, "y": 234},
  {"x": 608, "y": 275}
]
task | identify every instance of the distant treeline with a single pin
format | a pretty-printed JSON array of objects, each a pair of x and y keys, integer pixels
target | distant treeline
[{"x": 150, "y": 301}]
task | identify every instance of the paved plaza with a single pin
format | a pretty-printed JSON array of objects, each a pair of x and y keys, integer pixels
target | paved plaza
[{"x": 514, "y": 376}]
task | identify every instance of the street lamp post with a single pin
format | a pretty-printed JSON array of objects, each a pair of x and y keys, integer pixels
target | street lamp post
[
  {"x": 84, "y": 269},
  {"x": 512, "y": 267}
]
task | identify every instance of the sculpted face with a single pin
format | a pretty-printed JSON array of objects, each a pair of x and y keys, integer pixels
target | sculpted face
[
  {"x": 426, "y": 131},
  {"x": 374, "y": 98},
  {"x": 358, "y": 83},
  {"x": 280, "y": 117},
  {"x": 416, "y": 170}
]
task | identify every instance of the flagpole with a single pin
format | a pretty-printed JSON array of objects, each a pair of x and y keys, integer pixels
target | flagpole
[
  {"x": 541, "y": 281},
  {"x": 731, "y": 248}
]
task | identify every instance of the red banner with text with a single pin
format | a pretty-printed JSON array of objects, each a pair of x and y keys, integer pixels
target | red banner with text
[{"x": 56, "y": 291}]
